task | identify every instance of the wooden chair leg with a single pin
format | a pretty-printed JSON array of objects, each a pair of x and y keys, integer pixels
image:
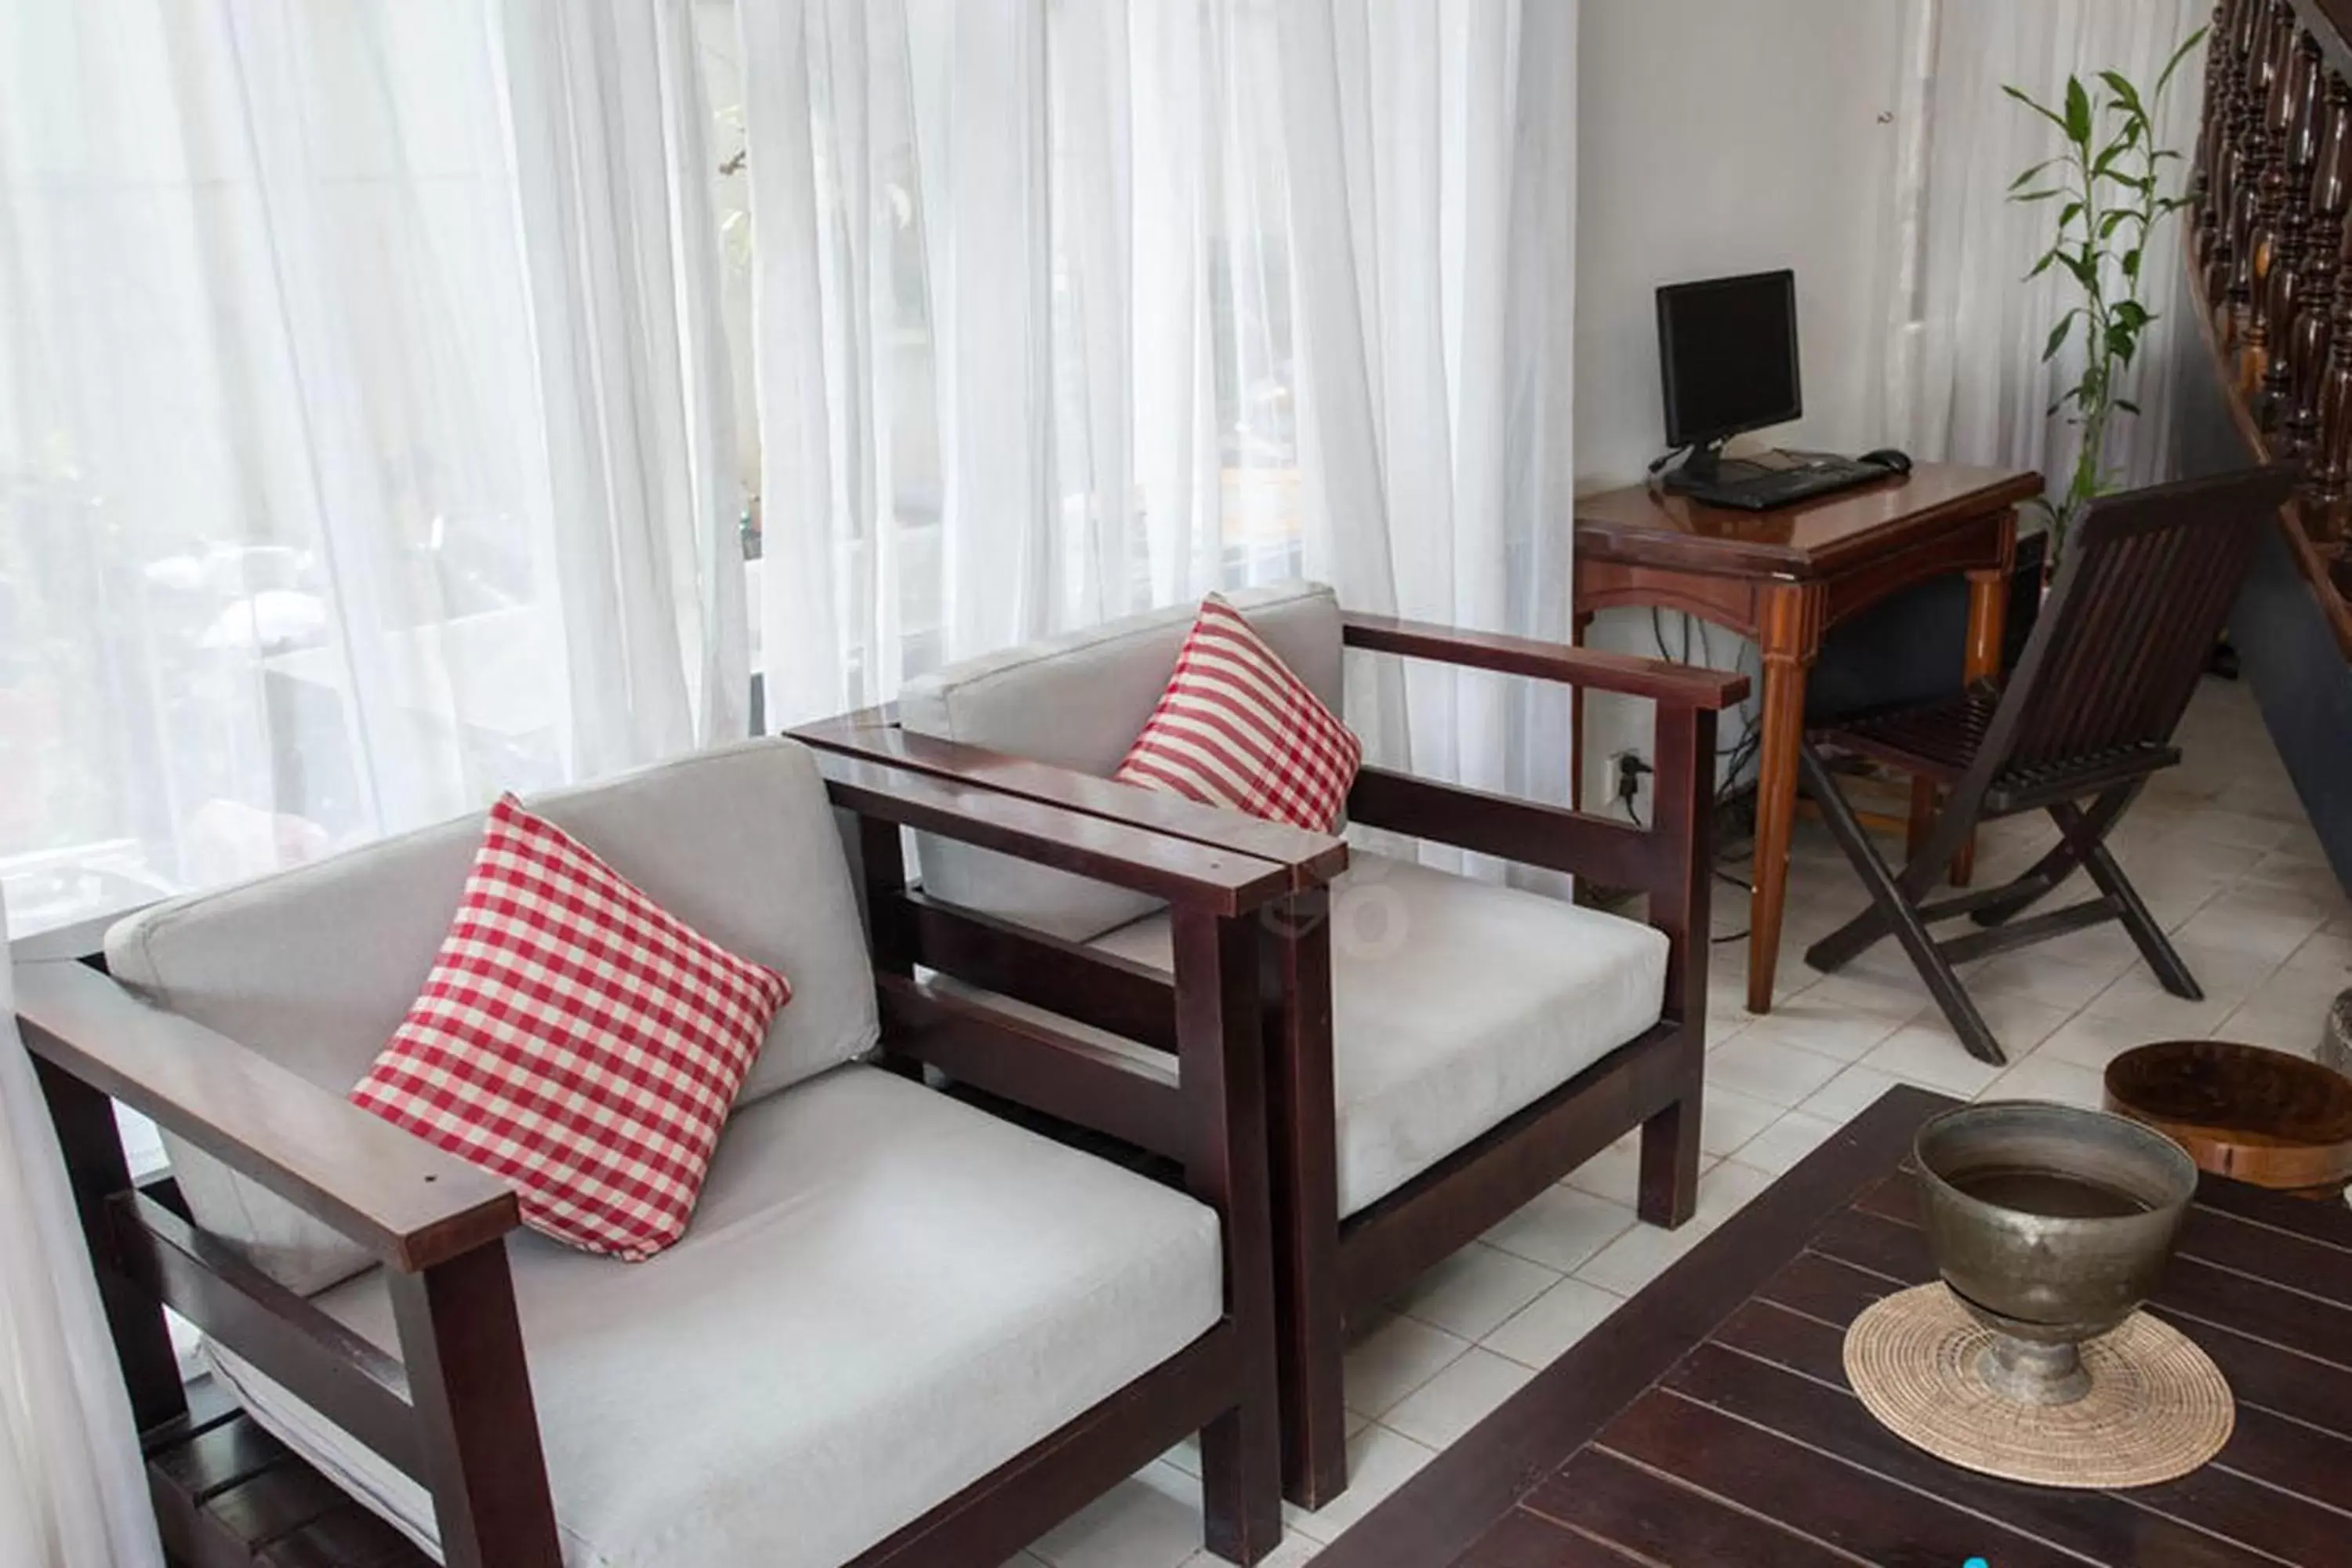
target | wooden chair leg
[
  {"x": 1849, "y": 942},
  {"x": 1314, "y": 1390},
  {"x": 2162, "y": 957},
  {"x": 463, "y": 1347},
  {"x": 1240, "y": 1459},
  {"x": 1220, "y": 1055},
  {"x": 1295, "y": 996},
  {"x": 1670, "y": 1152},
  {"x": 1899, "y": 913}
]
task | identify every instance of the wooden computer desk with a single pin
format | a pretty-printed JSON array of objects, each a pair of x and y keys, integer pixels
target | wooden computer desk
[{"x": 1783, "y": 578}]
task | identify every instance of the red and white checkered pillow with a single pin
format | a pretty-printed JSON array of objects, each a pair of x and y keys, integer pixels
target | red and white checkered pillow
[
  {"x": 577, "y": 1040},
  {"x": 1235, "y": 728}
]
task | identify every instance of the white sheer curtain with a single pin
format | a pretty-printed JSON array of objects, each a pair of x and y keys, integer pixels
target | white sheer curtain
[
  {"x": 1965, "y": 378},
  {"x": 72, "y": 1494},
  {"x": 1064, "y": 310},
  {"x": 363, "y": 424}
]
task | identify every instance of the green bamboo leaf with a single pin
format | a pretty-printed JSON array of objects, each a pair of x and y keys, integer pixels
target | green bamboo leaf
[
  {"x": 2131, "y": 262},
  {"x": 2107, "y": 224},
  {"x": 2058, "y": 337},
  {"x": 2132, "y": 313},
  {"x": 2019, "y": 94},
  {"x": 2042, "y": 266},
  {"x": 2126, "y": 404},
  {"x": 2069, "y": 212},
  {"x": 2078, "y": 113},
  {"x": 2120, "y": 85},
  {"x": 2024, "y": 180},
  {"x": 2164, "y": 77},
  {"x": 2039, "y": 196},
  {"x": 2121, "y": 340}
]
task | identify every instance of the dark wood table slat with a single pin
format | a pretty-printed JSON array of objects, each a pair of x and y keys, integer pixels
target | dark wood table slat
[
  {"x": 1848, "y": 1507},
  {"x": 1710, "y": 1421},
  {"x": 1523, "y": 1540},
  {"x": 2268, "y": 1253},
  {"x": 2258, "y": 1373},
  {"x": 1659, "y": 1521}
]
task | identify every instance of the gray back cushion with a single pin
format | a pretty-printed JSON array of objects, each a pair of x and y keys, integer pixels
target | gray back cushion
[
  {"x": 1078, "y": 701},
  {"x": 315, "y": 967}
]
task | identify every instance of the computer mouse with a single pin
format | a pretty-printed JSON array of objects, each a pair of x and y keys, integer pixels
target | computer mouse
[{"x": 1888, "y": 458}]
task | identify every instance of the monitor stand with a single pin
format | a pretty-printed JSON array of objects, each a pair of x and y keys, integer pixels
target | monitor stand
[{"x": 1707, "y": 468}]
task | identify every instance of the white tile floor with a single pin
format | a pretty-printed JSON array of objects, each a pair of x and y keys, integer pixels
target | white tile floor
[{"x": 2219, "y": 848}]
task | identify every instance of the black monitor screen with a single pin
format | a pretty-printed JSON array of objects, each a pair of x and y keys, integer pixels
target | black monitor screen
[{"x": 1727, "y": 355}]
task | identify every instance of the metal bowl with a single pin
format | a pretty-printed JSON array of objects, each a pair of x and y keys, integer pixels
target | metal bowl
[{"x": 2051, "y": 1224}]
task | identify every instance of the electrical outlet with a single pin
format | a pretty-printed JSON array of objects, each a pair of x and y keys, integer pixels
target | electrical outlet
[{"x": 1629, "y": 771}]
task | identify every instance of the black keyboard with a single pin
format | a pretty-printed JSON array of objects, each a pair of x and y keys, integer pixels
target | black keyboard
[{"x": 1755, "y": 487}]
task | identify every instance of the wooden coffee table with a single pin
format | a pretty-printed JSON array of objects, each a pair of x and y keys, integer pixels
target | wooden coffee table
[{"x": 1709, "y": 1422}]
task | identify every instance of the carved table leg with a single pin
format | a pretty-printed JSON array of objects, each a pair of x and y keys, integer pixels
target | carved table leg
[
  {"x": 1988, "y": 618},
  {"x": 1791, "y": 639}
]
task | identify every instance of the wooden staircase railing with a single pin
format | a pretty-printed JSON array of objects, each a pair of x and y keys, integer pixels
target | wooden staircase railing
[{"x": 2271, "y": 261}]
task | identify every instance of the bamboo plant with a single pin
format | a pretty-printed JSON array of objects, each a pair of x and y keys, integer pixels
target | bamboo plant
[{"x": 2110, "y": 185}]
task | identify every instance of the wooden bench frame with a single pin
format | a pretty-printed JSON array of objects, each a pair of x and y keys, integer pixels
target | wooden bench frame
[
  {"x": 1332, "y": 1272},
  {"x": 454, "y": 1410}
]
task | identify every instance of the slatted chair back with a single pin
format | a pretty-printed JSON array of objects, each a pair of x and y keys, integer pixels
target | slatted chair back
[{"x": 2140, "y": 596}]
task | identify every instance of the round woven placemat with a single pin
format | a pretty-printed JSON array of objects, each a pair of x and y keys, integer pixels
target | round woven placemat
[{"x": 2158, "y": 1406}]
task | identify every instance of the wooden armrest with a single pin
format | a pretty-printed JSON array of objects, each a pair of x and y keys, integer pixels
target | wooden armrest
[
  {"x": 1184, "y": 873},
  {"x": 1532, "y": 833},
  {"x": 410, "y": 1205},
  {"x": 1308, "y": 858},
  {"x": 1676, "y": 685}
]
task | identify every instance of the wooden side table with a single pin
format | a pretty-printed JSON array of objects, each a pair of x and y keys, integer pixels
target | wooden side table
[{"x": 1783, "y": 578}]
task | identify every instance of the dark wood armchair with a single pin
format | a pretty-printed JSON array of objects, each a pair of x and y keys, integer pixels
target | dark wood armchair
[
  {"x": 1336, "y": 1262},
  {"x": 446, "y": 1394}
]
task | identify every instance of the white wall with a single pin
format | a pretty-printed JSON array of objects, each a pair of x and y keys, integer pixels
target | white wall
[{"x": 1718, "y": 137}]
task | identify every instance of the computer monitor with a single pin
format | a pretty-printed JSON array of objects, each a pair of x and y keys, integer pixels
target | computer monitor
[{"x": 1727, "y": 355}]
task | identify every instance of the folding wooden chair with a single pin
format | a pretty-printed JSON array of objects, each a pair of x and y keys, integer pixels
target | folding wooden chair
[{"x": 2088, "y": 716}]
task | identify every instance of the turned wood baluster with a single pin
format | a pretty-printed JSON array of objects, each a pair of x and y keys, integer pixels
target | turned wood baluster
[
  {"x": 2308, "y": 344},
  {"x": 2290, "y": 229},
  {"x": 2249, "y": 292},
  {"x": 2233, "y": 148},
  {"x": 2275, "y": 29},
  {"x": 2222, "y": 63},
  {"x": 2328, "y": 471}
]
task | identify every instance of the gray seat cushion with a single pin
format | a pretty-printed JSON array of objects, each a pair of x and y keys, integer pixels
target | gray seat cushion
[
  {"x": 1454, "y": 1004},
  {"x": 886, "y": 1295},
  {"x": 1078, "y": 701},
  {"x": 315, "y": 967}
]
